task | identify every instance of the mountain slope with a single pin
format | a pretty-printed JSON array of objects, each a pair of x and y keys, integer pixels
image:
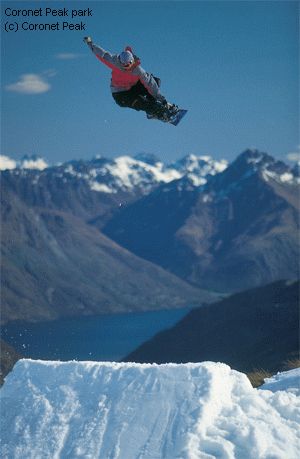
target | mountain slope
[
  {"x": 60, "y": 188},
  {"x": 54, "y": 265},
  {"x": 254, "y": 329},
  {"x": 238, "y": 230}
]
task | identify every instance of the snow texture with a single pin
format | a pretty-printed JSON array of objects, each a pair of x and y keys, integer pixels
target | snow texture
[
  {"x": 288, "y": 381},
  {"x": 133, "y": 411},
  {"x": 7, "y": 163}
]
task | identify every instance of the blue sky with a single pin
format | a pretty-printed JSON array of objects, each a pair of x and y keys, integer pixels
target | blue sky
[{"x": 233, "y": 65}]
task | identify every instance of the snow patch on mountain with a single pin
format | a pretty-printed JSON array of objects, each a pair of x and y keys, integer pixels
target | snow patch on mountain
[
  {"x": 286, "y": 177},
  {"x": 34, "y": 163},
  {"x": 28, "y": 162},
  {"x": 132, "y": 172},
  {"x": 269, "y": 167},
  {"x": 199, "y": 168},
  {"x": 101, "y": 187},
  {"x": 7, "y": 163},
  {"x": 134, "y": 411},
  {"x": 248, "y": 164}
]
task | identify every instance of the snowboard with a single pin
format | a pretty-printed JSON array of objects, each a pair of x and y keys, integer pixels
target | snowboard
[{"x": 173, "y": 119}]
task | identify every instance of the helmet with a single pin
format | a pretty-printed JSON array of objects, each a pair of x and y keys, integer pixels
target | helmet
[{"x": 126, "y": 58}]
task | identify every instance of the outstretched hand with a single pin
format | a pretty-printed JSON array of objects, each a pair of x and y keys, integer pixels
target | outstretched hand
[{"x": 87, "y": 40}]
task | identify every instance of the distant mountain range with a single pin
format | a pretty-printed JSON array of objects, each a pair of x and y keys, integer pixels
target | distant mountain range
[
  {"x": 237, "y": 230},
  {"x": 56, "y": 262},
  {"x": 255, "y": 329},
  {"x": 126, "y": 234},
  {"x": 130, "y": 175}
]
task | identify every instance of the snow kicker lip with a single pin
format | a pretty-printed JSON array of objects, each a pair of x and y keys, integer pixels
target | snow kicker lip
[{"x": 127, "y": 410}]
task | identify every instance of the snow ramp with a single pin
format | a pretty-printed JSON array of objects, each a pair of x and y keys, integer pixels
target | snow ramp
[{"x": 141, "y": 411}]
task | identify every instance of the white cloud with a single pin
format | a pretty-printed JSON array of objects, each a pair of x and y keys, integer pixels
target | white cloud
[
  {"x": 30, "y": 83},
  {"x": 67, "y": 56}
]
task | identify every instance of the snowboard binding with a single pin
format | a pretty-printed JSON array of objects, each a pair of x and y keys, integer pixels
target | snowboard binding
[{"x": 165, "y": 112}]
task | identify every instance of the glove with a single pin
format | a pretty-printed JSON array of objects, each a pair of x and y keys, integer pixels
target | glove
[{"x": 87, "y": 40}]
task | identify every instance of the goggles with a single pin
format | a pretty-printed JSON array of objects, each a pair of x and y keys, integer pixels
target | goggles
[{"x": 127, "y": 65}]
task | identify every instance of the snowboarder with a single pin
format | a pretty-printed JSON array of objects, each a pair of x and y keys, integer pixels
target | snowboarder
[{"x": 132, "y": 86}]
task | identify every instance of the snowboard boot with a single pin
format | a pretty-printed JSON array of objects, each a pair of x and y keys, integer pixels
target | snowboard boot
[
  {"x": 173, "y": 110},
  {"x": 164, "y": 112}
]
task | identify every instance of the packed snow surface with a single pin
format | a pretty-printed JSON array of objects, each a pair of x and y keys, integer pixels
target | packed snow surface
[
  {"x": 288, "y": 381},
  {"x": 134, "y": 411}
]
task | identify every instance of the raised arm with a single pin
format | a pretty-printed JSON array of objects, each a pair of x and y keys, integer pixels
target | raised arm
[{"x": 104, "y": 56}]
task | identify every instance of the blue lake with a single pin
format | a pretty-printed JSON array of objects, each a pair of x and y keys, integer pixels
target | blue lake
[{"x": 105, "y": 338}]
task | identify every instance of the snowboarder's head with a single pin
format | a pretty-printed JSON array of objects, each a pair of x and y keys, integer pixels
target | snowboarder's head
[{"x": 126, "y": 58}]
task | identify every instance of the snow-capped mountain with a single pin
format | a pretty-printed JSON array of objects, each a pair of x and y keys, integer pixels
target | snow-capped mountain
[
  {"x": 27, "y": 162},
  {"x": 251, "y": 163},
  {"x": 95, "y": 189},
  {"x": 199, "y": 168},
  {"x": 144, "y": 171},
  {"x": 220, "y": 227},
  {"x": 132, "y": 411},
  {"x": 65, "y": 266},
  {"x": 124, "y": 173},
  {"x": 239, "y": 229}
]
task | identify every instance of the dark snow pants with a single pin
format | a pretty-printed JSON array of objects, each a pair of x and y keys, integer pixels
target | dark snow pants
[{"x": 138, "y": 98}]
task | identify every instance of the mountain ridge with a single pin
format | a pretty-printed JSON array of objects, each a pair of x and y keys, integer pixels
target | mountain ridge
[
  {"x": 232, "y": 227},
  {"x": 237, "y": 230},
  {"x": 123, "y": 173}
]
